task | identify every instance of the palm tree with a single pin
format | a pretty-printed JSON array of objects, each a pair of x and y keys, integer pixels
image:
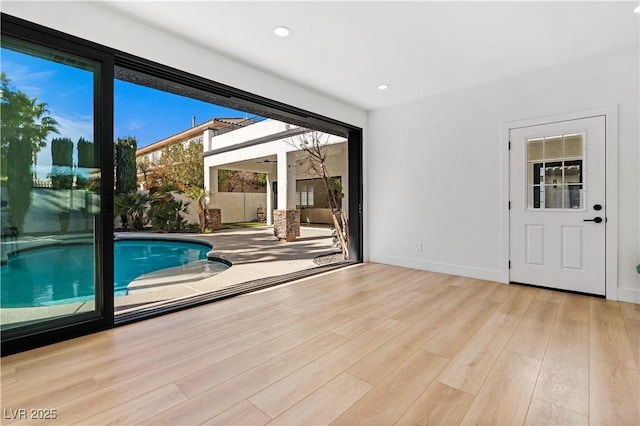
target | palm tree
[
  {"x": 38, "y": 128},
  {"x": 199, "y": 195},
  {"x": 144, "y": 167},
  {"x": 24, "y": 129},
  {"x": 165, "y": 212},
  {"x": 131, "y": 206}
]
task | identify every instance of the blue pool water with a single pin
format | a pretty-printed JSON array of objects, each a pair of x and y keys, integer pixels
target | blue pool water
[{"x": 65, "y": 273}]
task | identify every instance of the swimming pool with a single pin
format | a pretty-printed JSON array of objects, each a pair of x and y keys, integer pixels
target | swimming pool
[{"x": 64, "y": 273}]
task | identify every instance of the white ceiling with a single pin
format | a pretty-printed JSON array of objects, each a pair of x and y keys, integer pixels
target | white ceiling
[{"x": 346, "y": 49}]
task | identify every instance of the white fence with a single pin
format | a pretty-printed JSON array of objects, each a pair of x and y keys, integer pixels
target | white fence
[
  {"x": 240, "y": 206},
  {"x": 54, "y": 211}
]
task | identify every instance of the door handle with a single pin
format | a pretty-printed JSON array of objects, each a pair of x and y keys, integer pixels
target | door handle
[{"x": 596, "y": 219}]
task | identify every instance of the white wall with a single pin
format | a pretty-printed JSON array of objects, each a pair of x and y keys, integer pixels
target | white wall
[
  {"x": 240, "y": 206},
  {"x": 46, "y": 204},
  {"x": 191, "y": 215},
  {"x": 435, "y": 166}
]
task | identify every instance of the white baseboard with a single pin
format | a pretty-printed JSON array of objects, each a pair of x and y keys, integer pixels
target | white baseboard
[
  {"x": 463, "y": 271},
  {"x": 631, "y": 295}
]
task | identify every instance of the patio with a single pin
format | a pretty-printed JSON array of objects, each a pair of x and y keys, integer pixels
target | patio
[{"x": 254, "y": 254}]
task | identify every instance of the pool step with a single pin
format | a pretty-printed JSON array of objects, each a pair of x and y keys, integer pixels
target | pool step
[{"x": 193, "y": 271}]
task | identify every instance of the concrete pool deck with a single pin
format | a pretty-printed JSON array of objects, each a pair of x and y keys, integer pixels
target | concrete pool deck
[{"x": 254, "y": 253}]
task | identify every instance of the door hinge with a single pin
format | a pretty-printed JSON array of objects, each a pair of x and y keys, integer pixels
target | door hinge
[
  {"x": 509, "y": 145},
  {"x": 509, "y": 205},
  {"x": 509, "y": 264}
]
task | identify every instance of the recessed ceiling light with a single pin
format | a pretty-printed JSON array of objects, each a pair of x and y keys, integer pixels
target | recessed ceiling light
[
  {"x": 383, "y": 87},
  {"x": 637, "y": 9},
  {"x": 282, "y": 31}
]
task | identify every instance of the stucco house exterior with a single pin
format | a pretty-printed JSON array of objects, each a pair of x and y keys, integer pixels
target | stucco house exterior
[
  {"x": 259, "y": 146},
  {"x": 195, "y": 133}
]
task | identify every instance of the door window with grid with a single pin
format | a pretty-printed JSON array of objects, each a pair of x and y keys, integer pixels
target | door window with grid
[{"x": 555, "y": 172}]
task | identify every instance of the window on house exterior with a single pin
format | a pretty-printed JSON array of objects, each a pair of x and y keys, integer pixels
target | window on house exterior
[{"x": 304, "y": 196}]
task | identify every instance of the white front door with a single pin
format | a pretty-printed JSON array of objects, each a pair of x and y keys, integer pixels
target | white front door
[{"x": 557, "y": 205}]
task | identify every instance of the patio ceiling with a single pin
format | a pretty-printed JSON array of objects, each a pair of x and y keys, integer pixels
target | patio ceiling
[
  {"x": 268, "y": 164},
  {"x": 256, "y": 165}
]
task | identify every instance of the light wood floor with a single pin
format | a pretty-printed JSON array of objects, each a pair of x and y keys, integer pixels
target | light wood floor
[{"x": 370, "y": 344}]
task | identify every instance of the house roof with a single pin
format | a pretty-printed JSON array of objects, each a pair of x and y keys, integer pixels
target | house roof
[{"x": 218, "y": 124}]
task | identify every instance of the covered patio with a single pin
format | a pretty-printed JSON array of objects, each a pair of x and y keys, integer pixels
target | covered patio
[{"x": 270, "y": 147}]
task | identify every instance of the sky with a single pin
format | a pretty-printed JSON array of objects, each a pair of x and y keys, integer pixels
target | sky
[{"x": 147, "y": 114}]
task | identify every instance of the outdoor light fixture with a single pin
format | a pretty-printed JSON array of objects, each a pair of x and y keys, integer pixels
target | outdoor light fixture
[
  {"x": 282, "y": 31},
  {"x": 383, "y": 87}
]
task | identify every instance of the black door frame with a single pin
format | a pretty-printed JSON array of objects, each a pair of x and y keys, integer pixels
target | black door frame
[
  {"x": 57, "y": 329},
  {"x": 200, "y": 88}
]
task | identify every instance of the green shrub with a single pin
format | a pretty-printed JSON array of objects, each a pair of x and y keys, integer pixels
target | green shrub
[
  {"x": 132, "y": 208},
  {"x": 164, "y": 212}
]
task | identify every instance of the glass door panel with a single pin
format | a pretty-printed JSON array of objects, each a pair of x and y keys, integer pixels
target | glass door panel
[
  {"x": 554, "y": 172},
  {"x": 49, "y": 188}
]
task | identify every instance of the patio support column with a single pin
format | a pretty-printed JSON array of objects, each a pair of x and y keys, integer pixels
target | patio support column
[
  {"x": 214, "y": 216},
  {"x": 286, "y": 181},
  {"x": 286, "y": 220},
  {"x": 211, "y": 185},
  {"x": 207, "y": 178},
  {"x": 269, "y": 200}
]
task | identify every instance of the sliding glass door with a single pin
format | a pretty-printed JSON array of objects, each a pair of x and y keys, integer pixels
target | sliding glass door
[
  {"x": 57, "y": 179},
  {"x": 52, "y": 242}
]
